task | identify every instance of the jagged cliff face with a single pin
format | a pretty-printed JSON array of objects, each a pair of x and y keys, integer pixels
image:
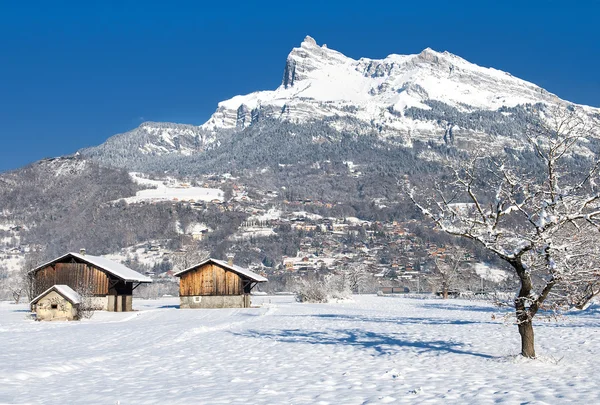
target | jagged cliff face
[{"x": 319, "y": 82}]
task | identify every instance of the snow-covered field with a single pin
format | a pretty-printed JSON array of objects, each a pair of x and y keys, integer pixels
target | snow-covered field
[
  {"x": 369, "y": 351},
  {"x": 172, "y": 190},
  {"x": 252, "y": 232}
]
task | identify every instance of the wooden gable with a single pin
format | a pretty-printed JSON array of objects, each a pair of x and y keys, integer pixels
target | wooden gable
[
  {"x": 74, "y": 275},
  {"x": 210, "y": 279}
]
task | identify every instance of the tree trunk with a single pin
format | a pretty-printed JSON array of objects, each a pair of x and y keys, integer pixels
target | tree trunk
[
  {"x": 527, "y": 341},
  {"x": 445, "y": 292},
  {"x": 16, "y": 296},
  {"x": 523, "y": 313}
]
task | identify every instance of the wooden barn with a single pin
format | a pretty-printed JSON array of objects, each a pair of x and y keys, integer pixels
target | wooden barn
[
  {"x": 216, "y": 284},
  {"x": 109, "y": 284},
  {"x": 57, "y": 303}
]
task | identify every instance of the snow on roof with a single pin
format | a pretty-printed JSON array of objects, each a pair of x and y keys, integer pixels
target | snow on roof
[
  {"x": 236, "y": 269},
  {"x": 71, "y": 295},
  {"x": 116, "y": 269}
]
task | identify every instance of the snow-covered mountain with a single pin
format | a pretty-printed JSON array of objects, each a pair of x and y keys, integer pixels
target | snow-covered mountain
[
  {"x": 428, "y": 97},
  {"x": 320, "y": 82}
]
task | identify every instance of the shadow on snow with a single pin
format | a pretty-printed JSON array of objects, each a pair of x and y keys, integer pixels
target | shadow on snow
[
  {"x": 397, "y": 321},
  {"x": 382, "y": 344},
  {"x": 453, "y": 307}
]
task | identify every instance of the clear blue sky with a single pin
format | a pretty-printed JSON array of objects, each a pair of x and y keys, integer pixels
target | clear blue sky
[{"x": 72, "y": 73}]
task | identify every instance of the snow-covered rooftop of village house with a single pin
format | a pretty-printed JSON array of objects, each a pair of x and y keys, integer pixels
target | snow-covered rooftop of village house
[
  {"x": 235, "y": 268},
  {"x": 116, "y": 269},
  {"x": 71, "y": 295}
]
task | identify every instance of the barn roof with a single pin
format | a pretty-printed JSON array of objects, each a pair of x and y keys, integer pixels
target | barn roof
[
  {"x": 70, "y": 295},
  {"x": 116, "y": 269},
  {"x": 236, "y": 269}
]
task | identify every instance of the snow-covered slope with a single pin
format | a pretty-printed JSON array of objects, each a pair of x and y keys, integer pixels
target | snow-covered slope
[
  {"x": 320, "y": 82},
  {"x": 172, "y": 190},
  {"x": 152, "y": 139}
]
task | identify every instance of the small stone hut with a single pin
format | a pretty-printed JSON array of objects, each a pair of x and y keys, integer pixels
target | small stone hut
[
  {"x": 109, "y": 284},
  {"x": 57, "y": 303},
  {"x": 216, "y": 284}
]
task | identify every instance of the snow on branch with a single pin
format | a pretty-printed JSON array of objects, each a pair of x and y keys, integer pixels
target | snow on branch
[{"x": 541, "y": 217}]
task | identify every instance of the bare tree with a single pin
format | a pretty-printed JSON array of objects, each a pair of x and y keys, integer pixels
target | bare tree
[
  {"x": 87, "y": 306},
  {"x": 321, "y": 289},
  {"x": 533, "y": 215},
  {"x": 189, "y": 257},
  {"x": 16, "y": 287},
  {"x": 3, "y": 282},
  {"x": 19, "y": 283},
  {"x": 33, "y": 258},
  {"x": 355, "y": 276},
  {"x": 158, "y": 288},
  {"x": 448, "y": 269},
  {"x": 579, "y": 256},
  {"x": 11, "y": 285}
]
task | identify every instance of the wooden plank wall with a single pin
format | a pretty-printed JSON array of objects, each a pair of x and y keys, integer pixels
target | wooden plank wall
[
  {"x": 73, "y": 275},
  {"x": 210, "y": 279}
]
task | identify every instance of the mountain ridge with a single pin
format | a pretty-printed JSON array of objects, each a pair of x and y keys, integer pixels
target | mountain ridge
[
  {"x": 367, "y": 88},
  {"x": 431, "y": 96}
]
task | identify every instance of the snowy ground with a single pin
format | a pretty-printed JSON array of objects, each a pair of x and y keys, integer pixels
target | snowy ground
[
  {"x": 247, "y": 233},
  {"x": 370, "y": 351},
  {"x": 172, "y": 191}
]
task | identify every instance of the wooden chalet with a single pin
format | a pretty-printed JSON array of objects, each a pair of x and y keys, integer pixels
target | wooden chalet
[
  {"x": 216, "y": 284},
  {"x": 109, "y": 284}
]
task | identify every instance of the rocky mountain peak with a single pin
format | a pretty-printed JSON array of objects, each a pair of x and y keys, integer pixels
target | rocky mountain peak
[
  {"x": 307, "y": 58},
  {"x": 429, "y": 55},
  {"x": 319, "y": 82},
  {"x": 308, "y": 41}
]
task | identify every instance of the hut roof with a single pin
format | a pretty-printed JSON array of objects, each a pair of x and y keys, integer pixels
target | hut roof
[
  {"x": 236, "y": 269},
  {"x": 116, "y": 269},
  {"x": 70, "y": 295}
]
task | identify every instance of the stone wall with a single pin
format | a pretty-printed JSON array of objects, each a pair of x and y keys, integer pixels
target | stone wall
[{"x": 215, "y": 301}]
